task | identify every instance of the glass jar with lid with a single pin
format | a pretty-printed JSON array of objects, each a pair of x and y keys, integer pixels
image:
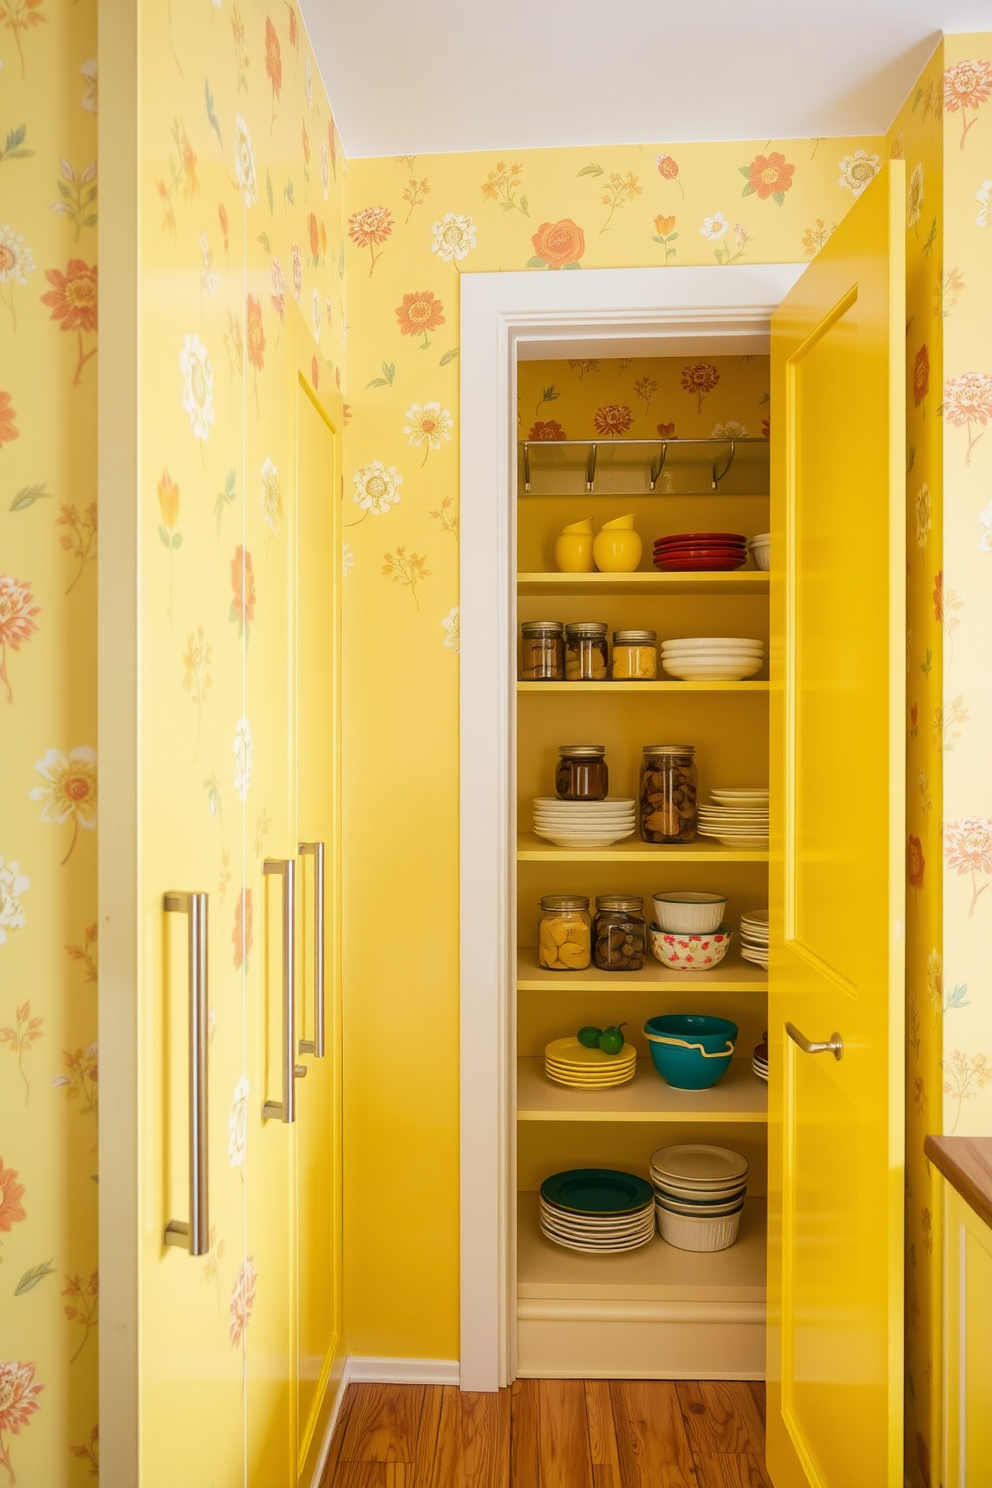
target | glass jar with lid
[
  {"x": 564, "y": 934},
  {"x": 587, "y": 652},
  {"x": 668, "y": 793},
  {"x": 635, "y": 655},
  {"x": 620, "y": 932},
  {"x": 582, "y": 773},
  {"x": 542, "y": 651}
]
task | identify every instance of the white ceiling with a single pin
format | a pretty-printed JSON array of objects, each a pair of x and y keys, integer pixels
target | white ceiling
[{"x": 510, "y": 74}]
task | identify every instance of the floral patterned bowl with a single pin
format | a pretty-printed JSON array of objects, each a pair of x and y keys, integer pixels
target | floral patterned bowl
[{"x": 690, "y": 952}]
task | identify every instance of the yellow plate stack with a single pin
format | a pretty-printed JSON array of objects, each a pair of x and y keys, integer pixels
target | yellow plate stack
[{"x": 568, "y": 1062}]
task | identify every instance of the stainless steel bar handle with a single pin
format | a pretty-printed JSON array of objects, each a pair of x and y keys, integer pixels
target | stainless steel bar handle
[
  {"x": 315, "y": 1046},
  {"x": 195, "y": 1236},
  {"x": 285, "y": 1110},
  {"x": 834, "y": 1046}
]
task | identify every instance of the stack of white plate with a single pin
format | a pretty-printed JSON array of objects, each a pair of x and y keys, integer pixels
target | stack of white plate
[
  {"x": 759, "y": 1060},
  {"x": 713, "y": 658},
  {"x": 754, "y": 937},
  {"x": 584, "y": 823},
  {"x": 597, "y": 1210},
  {"x": 699, "y": 1194},
  {"x": 568, "y": 1062},
  {"x": 761, "y": 550},
  {"x": 736, "y": 817}
]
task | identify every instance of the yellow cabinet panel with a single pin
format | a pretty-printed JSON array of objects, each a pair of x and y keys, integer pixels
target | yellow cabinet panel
[{"x": 967, "y": 1345}]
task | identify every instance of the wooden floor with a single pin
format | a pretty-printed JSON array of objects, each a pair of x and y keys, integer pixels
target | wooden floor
[{"x": 552, "y": 1434}]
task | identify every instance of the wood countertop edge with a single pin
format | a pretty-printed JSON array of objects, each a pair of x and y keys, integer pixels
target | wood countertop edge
[{"x": 966, "y": 1163}]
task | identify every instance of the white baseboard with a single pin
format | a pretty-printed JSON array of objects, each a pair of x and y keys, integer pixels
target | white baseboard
[{"x": 370, "y": 1369}]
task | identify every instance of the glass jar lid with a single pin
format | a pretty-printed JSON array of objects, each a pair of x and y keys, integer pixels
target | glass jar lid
[
  {"x": 587, "y": 630},
  {"x": 631, "y": 903},
  {"x": 542, "y": 627},
  {"x": 564, "y": 901},
  {"x": 651, "y": 749},
  {"x": 635, "y": 637},
  {"x": 582, "y": 751}
]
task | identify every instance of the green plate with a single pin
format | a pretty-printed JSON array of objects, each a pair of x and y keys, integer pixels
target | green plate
[{"x": 596, "y": 1191}]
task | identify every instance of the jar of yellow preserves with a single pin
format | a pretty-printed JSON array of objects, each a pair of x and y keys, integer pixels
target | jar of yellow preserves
[
  {"x": 635, "y": 655},
  {"x": 564, "y": 935}
]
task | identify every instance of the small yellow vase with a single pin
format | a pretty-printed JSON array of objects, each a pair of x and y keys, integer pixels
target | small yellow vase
[
  {"x": 617, "y": 547},
  {"x": 573, "y": 548}
]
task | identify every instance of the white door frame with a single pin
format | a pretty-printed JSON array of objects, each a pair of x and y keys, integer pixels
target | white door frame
[{"x": 505, "y": 316}]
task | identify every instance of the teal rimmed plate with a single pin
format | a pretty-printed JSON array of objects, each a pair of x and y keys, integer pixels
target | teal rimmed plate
[{"x": 596, "y": 1191}]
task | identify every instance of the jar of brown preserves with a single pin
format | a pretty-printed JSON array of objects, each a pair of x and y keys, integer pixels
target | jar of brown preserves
[
  {"x": 582, "y": 773},
  {"x": 668, "y": 793}
]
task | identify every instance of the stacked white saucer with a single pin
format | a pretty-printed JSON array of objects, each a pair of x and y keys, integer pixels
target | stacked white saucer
[
  {"x": 736, "y": 816},
  {"x": 754, "y": 937},
  {"x": 713, "y": 658},
  {"x": 584, "y": 823}
]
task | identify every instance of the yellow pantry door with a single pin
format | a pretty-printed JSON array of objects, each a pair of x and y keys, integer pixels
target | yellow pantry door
[{"x": 837, "y": 887}]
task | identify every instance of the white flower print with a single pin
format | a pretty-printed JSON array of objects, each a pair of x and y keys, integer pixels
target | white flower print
[
  {"x": 208, "y": 279},
  {"x": 242, "y": 1301},
  {"x": 714, "y": 227},
  {"x": 242, "y": 748},
  {"x": 297, "y": 272},
  {"x": 730, "y": 430},
  {"x": 429, "y": 424},
  {"x": 13, "y": 883},
  {"x": 985, "y": 541},
  {"x": 16, "y": 258},
  {"x": 315, "y": 313},
  {"x": 984, "y": 200},
  {"x": 451, "y": 625},
  {"x": 244, "y": 162},
  {"x": 308, "y": 82},
  {"x": 914, "y": 196},
  {"x": 89, "y": 73},
  {"x": 347, "y": 559},
  {"x": 858, "y": 171},
  {"x": 922, "y": 515},
  {"x": 325, "y": 171},
  {"x": 271, "y": 494},
  {"x": 237, "y": 1124},
  {"x": 376, "y": 486},
  {"x": 454, "y": 236},
  {"x": 198, "y": 386}
]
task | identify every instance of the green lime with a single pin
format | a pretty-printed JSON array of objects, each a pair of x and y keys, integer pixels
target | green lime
[
  {"x": 611, "y": 1040},
  {"x": 590, "y": 1037}
]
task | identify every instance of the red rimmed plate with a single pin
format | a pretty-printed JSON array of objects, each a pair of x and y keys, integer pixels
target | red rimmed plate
[
  {"x": 701, "y": 565},
  {"x": 696, "y": 538}
]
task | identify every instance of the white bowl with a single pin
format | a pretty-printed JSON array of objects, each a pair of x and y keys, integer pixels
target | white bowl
[
  {"x": 599, "y": 839},
  {"x": 689, "y": 911},
  {"x": 719, "y": 643},
  {"x": 698, "y": 1234},
  {"x": 714, "y": 672}
]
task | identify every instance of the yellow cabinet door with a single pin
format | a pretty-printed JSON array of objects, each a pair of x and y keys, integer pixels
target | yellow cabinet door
[
  {"x": 967, "y": 1345},
  {"x": 837, "y": 877}
]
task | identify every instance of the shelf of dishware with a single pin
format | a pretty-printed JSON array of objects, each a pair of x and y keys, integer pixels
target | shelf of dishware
[
  {"x": 643, "y": 467},
  {"x": 732, "y": 975},
  {"x": 617, "y": 687},
  {"x": 738, "y": 1096},
  {"x": 741, "y": 581},
  {"x": 532, "y": 849}
]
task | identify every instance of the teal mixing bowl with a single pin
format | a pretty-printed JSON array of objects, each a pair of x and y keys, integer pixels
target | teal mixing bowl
[{"x": 691, "y": 1050}]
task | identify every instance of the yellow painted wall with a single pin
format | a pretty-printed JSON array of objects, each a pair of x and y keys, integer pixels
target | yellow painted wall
[
  {"x": 415, "y": 224},
  {"x": 49, "y": 1302}
]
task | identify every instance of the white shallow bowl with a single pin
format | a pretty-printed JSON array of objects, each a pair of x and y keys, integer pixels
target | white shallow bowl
[
  {"x": 706, "y": 653},
  {"x": 666, "y": 1205},
  {"x": 689, "y": 912},
  {"x": 619, "y": 813},
  {"x": 603, "y": 839},
  {"x": 728, "y": 673},
  {"x": 687, "y": 1233},
  {"x": 710, "y": 643}
]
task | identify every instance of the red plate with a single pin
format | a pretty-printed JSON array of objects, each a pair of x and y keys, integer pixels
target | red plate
[
  {"x": 698, "y": 565},
  {"x": 663, "y": 544},
  {"x": 714, "y": 551},
  {"x": 701, "y": 537}
]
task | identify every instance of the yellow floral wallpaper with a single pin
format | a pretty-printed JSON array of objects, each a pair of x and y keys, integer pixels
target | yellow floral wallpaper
[{"x": 49, "y": 1087}]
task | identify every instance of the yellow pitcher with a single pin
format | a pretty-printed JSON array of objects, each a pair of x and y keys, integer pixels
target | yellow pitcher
[
  {"x": 573, "y": 548},
  {"x": 617, "y": 547}
]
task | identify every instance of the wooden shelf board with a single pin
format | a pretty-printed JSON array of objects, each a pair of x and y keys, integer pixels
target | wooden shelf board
[
  {"x": 738, "y": 581},
  {"x": 533, "y": 849},
  {"x": 658, "y": 1272},
  {"x": 644, "y": 687},
  {"x": 739, "y": 1096},
  {"x": 732, "y": 975}
]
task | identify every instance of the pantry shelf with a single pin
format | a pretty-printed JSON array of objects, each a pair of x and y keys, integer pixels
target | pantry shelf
[
  {"x": 533, "y": 849},
  {"x": 739, "y": 1097},
  {"x": 732, "y": 975},
  {"x": 741, "y": 581},
  {"x": 643, "y": 686}
]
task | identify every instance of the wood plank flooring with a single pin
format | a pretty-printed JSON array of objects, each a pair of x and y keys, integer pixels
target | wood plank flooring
[{"x": 552, "y": 1434}]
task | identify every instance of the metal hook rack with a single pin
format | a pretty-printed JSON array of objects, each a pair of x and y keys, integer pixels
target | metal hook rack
[{"x": 591, "y": 457}]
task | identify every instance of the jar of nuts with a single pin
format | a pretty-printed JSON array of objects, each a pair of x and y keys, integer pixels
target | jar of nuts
[
  {"x": 668, "y": 793},
  {"x": 620, "y": 932},
  {"x": 564, "y": 935},
  {"x": 582, "y": 773},
  {"x": 587, "y": 652},
  {"x": 635, "y": 655},
  {"x": 542, "y": 651}
]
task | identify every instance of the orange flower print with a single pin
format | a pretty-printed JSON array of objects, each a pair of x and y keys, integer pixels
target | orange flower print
[
  {"x": 256, "y": 332},
  {"x": 370, "y": 228},
  {"x": 663, "y": 226},
  {"x": 294, "y": 34},
  {"x": 769, "y": 176},
  {"x": 242, "y": 1302},
  {"x": 11, "y": 1193},
  {"x": 699, "y": 378},
  {"x": 668, "y": 170},
  {"x": 314, "y": 241},
  {"x": 613, "y": 419},
  {"x": 915, "y": 863},
  {"x": 69, "y": 793},
  {"x": 306, "y": 147},
  {"x": 8, "y": 429},
  {"x": 766, "y": 428},
  {"x": 17, "y": 623},
  {"x": 241, "y": 936},
  {"x": 921, "y": 376},
  {"x": 18, "y": 1402},
  {"x": 419, "y": 313},
  {"x": 225, "y": 226},
  {"x": 547, "y": 430},
  {"x": 966, "y": 86},
  {"x": 273, "y": 63},
  {"x": 938, "y": 597},
  {"x": 18, "y": 16},
  {"x": 72, "y": 299},
  {"x": 243, "y": 585},
  {"x": 968, "y": 845},
  {"x": 967, "y": 401},
  {"x": 558, "y": 245}
]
